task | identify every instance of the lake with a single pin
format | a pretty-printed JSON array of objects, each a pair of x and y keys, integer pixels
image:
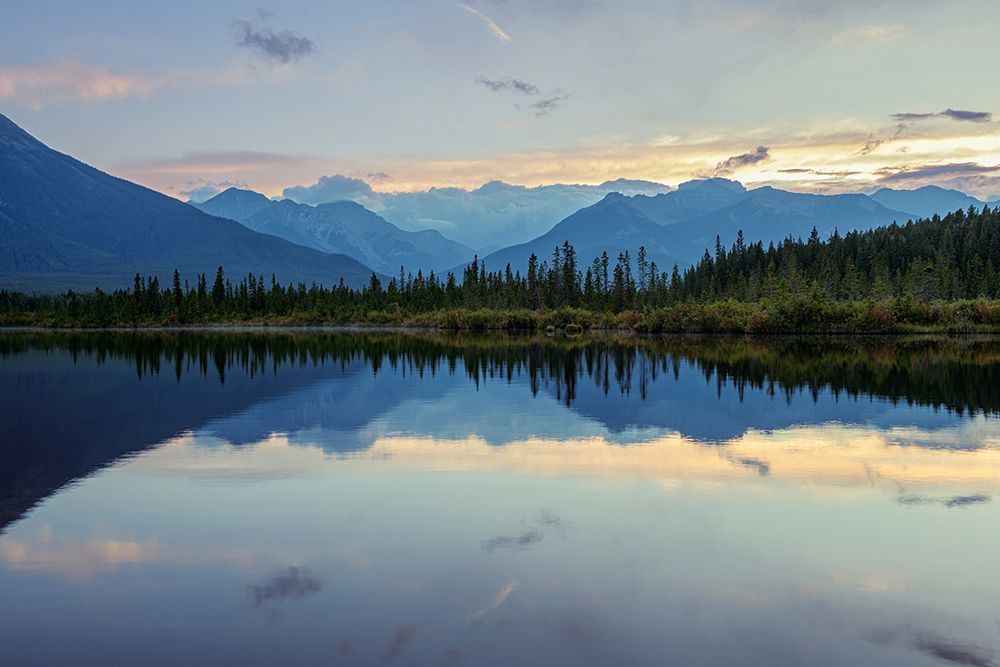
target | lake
[{"x": 370, "y": 498}]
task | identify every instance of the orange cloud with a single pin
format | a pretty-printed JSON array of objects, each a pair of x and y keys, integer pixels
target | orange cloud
[{"x": 64, "y": 80}]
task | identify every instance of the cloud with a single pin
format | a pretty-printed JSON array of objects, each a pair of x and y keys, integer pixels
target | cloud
[
  {"x": 202, "y": 190},
  {"x": 873, "y": 142},
  {"x": 282, "y": 47},
  {"x": 405, "y": 634},
  {"x": 949, "y": 650},
  {"x": 513, "y": 542},
  {"x": 213, "y": 162},
  {"x": 934, "y": 171},
  {"x": 498, "y": 600},
  {"x": 542, "y": 107},
  {"x": 292, "y": 584},
  {"x": 491, "y": 25},
  {"x": 736, "y": 162},
  {"x": 545, "y": 521},
  {"x": 508, "y": 84},
  {"x": 839, "y": 173},
  {"x": 378, "y": 176},
  {"x": 962, "y": 501},
  {"x": 954, "y": 501},
  {"x": 547, "y": 105},
  {"x": 934, "y": 645},
  {"x": 64, "y": 80},
  {"x": 868, "y": 34},
  {"x": 906, "y": 119},
  {"x": 961, "y": 115},
  {"x": 330, "y": 188}
]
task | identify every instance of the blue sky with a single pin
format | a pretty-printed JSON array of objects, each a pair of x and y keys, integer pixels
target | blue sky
[{"x": 409, "y": 95}]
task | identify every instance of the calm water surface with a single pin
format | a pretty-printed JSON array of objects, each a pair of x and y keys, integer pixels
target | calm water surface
[{"x": 378, "y": 499}]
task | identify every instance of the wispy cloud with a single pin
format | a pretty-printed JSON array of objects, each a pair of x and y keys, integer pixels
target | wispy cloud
[
  {"x": 490, "y": 24},
  {"x": 545, "y": 106},
  {"x": 513, "y": 542},
  {"x": 868, "y": 34},
  {"x": 508, "y": 84},
  {"x": 404, "y": 635},
  {"x": 57, "y": 81},
  {"x": 276, "y": 46},
  {"x": 906, "y": 119},
  {"x": 730, "y": 165},
  {"x": 950, "y": 650},
  {"x": 952, "y": 502},
  {"x": 291, "y": 584},
  {"x": 541, "y": 107},
  {"x": 951, "y": 114},
  {"x": 501, "y": 597},
  {"x": 201, "y": 190},
  {"x": 935, "y": 171}
]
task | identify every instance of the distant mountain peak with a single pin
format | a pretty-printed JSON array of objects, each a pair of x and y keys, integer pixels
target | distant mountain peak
[
  {"x": 238, "y": 193},
  {"x": 235, "y": 204},
  {"x": 926, "y": 189},
  {"x": 925, "y": 201},
  {"x": 496, "y": 186},
  {"x": 718, "y": 184},
  {"x": 631, "y": 183}
]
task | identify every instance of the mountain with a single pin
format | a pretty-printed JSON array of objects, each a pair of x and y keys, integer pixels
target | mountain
[
  {"x": 679, "y": 226},
  {"x": 234, "y": 204},
  {"x": 770, "y": 215},
  {"x": 612, "y": 225},
  {"x": 343, "y": 226},
  {"x": 64, "y": 224},
  {"x": 926, "y": 201},
  {"x": 691, "y": 199},
  {"x": 495, "y": 214}
]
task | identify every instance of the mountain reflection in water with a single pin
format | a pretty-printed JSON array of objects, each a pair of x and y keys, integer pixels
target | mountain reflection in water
[{"x": 384, "y": 497}]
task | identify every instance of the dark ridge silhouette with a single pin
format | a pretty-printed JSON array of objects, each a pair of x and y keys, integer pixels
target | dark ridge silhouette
[{"x": 64, "y": 224}]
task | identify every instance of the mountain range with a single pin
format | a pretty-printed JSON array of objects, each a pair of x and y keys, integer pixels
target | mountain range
[
  {"x": 64, "y": 224},
  {"x": 678, "y": 227},
  {"x": 487, "y": 218},
  {"x": 926, "y": 201},
  {"x": 340, "y": 227}
]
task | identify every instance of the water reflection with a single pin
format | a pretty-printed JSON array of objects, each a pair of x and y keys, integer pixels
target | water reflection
[{"x": 375, "y": 498}]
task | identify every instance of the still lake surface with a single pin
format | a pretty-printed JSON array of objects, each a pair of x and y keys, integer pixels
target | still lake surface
[{"x": 372, "y": 498}]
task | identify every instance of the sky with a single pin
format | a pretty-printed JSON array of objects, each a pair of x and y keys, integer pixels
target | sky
[{"x": 189, "y": 98}]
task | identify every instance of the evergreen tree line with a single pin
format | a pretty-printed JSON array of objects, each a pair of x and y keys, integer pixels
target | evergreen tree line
[
  {"x": 961, "y": 375},
  {"x": 937, "y": 259}
]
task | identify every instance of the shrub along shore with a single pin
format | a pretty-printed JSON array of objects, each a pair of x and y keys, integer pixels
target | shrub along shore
[{"x": 791, "y": 316}]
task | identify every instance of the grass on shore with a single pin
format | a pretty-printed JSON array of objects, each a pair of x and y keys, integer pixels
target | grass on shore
[{"x": 791, "y": 316}]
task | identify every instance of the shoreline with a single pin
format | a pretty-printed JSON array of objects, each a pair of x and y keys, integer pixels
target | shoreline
[{"x": 318, "y": 327}]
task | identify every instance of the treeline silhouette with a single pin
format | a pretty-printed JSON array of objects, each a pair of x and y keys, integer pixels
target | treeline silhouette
[
  {"x": 959, "y": 375},
  {"x": 871, "y": 281}
]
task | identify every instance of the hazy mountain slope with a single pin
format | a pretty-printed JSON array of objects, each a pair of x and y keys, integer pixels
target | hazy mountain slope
[
  {"x": 612, "y": 225},
  {"x": 770, "y": 215},
  {"x": 496, "y": 214},
  {"x": 926, "y": 201},
  {"x": 345, "y": 227},
  {"x": 65, "y": 224},
  {"x": 765, "y": 214}
]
